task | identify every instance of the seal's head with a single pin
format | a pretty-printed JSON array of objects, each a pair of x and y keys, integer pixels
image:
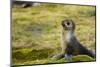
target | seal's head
[{"x": 68, "y": 24}]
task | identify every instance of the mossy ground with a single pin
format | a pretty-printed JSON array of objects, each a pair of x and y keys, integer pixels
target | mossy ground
[{"x": 36, "y": 32}]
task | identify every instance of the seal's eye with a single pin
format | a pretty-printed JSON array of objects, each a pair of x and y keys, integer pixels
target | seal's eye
[{"x": 68, "y": 23}]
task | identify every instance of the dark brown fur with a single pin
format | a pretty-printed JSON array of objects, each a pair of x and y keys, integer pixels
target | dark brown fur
[{"x": 71, "y": 46}]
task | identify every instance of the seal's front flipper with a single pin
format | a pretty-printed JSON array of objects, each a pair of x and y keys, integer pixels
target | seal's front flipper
[{"x": 68, "y": 57}]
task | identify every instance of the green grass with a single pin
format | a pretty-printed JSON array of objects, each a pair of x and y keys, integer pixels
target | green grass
[{"x": 36, "y": 31}]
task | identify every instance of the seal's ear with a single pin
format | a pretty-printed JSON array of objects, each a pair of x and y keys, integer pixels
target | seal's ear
[
  {"x": 73, "y": 24},
  {"x": 63, "y": 24}
]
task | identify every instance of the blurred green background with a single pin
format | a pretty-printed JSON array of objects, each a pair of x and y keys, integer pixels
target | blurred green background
[{"x": 36, "y": 31}]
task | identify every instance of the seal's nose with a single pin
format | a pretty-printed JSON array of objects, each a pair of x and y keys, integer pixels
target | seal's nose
[{"x": 68, "y": 23}]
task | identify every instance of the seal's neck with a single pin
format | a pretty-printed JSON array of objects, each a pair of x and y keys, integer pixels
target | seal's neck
[{"x": 69, "y": 34}]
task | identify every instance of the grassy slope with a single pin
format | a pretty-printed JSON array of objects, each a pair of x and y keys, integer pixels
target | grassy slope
[{"x": 36, "y": 31}]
